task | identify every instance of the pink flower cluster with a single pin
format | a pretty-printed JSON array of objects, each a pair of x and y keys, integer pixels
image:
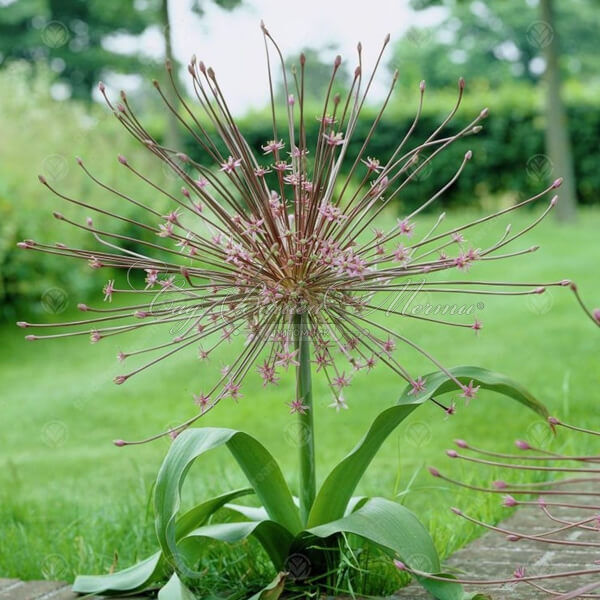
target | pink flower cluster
[{"x": 254, "y": 239}]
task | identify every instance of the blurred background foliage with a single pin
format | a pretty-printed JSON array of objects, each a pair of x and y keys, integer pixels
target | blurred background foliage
[{"x": 53, "y": 52}]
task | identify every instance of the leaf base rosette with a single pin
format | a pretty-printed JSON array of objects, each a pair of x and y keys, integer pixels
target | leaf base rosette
[{"x": 302, "y": 552}]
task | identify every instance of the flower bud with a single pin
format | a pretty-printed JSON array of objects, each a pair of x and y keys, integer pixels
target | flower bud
[
  {"x": 400, "y": 565},
  {"x": 522, "y": 445},
  {"x": 461, "y": 443},
  {"x": 433, "y": 471},
  {"x": 119, "y": 443}
]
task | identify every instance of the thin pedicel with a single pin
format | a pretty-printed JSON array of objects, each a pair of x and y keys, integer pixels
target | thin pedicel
[{"x": 577, "y": 487}]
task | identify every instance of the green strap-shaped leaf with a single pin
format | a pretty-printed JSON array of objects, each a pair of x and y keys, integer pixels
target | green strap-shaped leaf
[
  {"x": 338, "y": 487},
  {"x": 131, "y": 579},
  {"x": 175, "y": 590},
  {"x": 252, "y": 513},
  {"x": 275, "y": 539},
  {"x": 393, "y": 527},
  {"x": 440, "y": 383},
  {"x": 154, "y": 567},
  {"x": 259, "y": 466},
  {"x": 199, "y": 514}
]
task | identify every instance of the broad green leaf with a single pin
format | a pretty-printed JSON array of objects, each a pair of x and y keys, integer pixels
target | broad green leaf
[
  {"x": 273, "y": 590},
  {"x": 338, "y": 487},
  {"x": 355, "y": 503},
  {"x": 175, "y": 590},
  {"x": 258, "y": 465},
  {"x": 394, "y": 528},
  {"x": 153, "y": 568},
  {"x": 199, "y": 514},
  {"x": 252, "y": 513},
  {"x": 440, "y": 383},
  {"x": 134, "y": 578},
  {"x": 275, "y": 539}
]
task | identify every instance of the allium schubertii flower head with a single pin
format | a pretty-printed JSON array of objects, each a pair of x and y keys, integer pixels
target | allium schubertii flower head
[{"x": 281, "y": 242}]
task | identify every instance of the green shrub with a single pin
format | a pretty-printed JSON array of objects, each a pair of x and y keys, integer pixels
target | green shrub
[
  {"x": 43, "y": 136},
  {"x": 507, "y": 152}
]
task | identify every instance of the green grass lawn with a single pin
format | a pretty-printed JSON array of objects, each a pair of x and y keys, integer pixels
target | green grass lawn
[{"x": 71, "y": 502}]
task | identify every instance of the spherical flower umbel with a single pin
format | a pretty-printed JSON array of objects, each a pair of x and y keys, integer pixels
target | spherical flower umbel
[{"x": 263, "y": 236}]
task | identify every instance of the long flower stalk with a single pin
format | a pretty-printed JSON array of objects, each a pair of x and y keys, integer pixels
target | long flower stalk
[{"x": 304, "y": 409}]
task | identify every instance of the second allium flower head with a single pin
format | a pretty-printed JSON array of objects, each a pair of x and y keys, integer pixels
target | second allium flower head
[{"x": 261, "y": 237}]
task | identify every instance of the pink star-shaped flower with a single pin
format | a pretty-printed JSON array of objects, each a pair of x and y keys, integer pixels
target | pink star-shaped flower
[
  {"x": 418, "y": 385},
  {"x": 470, "y": 391},
  {"x": 202, "y": 400},
  {"x": 296, "y": 406},
  {"x": 285, "y": 359}
]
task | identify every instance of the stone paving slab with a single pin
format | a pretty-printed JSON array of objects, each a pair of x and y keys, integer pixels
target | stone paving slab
[
  {"x": 489, "y": 557},
  {"x": 493, "y": 557}
]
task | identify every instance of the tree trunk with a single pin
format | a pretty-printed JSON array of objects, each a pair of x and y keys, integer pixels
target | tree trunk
[
  {"x": 172, "y": 137},
  {"x": 558, "y": 146}
]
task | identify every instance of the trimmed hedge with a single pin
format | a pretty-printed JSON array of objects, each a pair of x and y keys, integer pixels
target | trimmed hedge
[{"x": 508, "y": 155}]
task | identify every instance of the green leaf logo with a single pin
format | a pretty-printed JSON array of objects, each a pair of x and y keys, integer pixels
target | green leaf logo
[{"x": 55, "y": 34}]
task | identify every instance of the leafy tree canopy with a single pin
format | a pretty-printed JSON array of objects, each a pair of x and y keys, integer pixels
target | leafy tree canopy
[
  {"x": 71, "y": 35},
  {"x": 499, "y": 41}
]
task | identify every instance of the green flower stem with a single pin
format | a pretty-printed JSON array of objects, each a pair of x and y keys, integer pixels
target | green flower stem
[{"x": 306, "y": 433}]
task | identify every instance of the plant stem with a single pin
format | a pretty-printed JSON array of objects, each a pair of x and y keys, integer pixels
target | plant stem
[{"x": 306, "y": 433}]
